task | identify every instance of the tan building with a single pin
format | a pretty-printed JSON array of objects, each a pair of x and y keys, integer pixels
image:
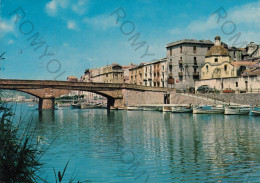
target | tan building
[
  {"x": 127, "y": 72},
  {"x": 136, "y": 75},
  {"x": 109, "y": 74},
  {"x": 72, "y": 78},
  {"x": 149, "y": 74},
  {"x": 218, "y": 63}
]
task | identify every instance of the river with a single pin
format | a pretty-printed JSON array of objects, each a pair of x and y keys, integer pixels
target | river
[{"x": 146, "y": 146}]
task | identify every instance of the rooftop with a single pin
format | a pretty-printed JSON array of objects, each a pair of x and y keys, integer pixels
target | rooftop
[
  {"x": 217, "y": 51},
  {"x": 190, "y": 41}
]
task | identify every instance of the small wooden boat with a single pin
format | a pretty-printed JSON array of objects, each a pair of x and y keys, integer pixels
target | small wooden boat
[
  {"x": 182, "y": 109},
  {"x": 134, "y": 108},
  {"x": 237, "y": 109},
  {"x": 63, "y": 104},
  {"x": 167, "y": 109},
  {"x": 255, "y": 111},
  {"x": 121, "y": 108},
  {"x": 208, "y": 109},
  {"x": 75, "y": 105},
  {"x": 113, "y": 108},
  {"x": 151, "y": 108}
]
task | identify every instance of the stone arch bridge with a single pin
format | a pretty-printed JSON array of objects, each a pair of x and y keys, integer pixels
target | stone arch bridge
[{"x": 118, "y": 95}]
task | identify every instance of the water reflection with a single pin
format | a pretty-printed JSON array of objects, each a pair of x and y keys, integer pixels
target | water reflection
[{"x": 118, "y": 146}]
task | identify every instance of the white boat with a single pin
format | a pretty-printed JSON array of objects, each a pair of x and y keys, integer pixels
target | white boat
[
  {"x": 151, "y": 108},
  {"x": 182, "y": 109},
  {"x": 31, "y": 105},
  {"x": 121, "y": 108},
  {"x": 167, "y": 109},
  {"x": 113, "y": 108},
  {"x": 134, "y": 108},
  {"x": 63, "y": 104},
  {"x": 255, "y": 111},
  {"x": 208, "y": 109},
  {"x": 238, "y": 109}
]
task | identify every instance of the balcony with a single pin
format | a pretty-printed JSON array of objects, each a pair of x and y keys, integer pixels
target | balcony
[
  {"x": 170, "y": 64},
  {"x": 180, "y": 62},
  {"x": 170, "y": 75},
  {"x": 180, "y": 74}
]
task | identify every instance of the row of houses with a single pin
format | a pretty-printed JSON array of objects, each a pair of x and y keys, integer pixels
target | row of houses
[{"x": 188, "y": 63}]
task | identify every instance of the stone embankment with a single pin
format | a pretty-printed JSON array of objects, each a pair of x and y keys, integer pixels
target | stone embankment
[{"x": 220, "y": 98}]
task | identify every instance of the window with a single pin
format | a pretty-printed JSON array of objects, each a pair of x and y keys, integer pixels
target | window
[
  {"x": 208, "y": 48},
  {"x": 207, "y": 67},
  {"x": 163, "y": 67},
  {"x": 236, "y": 84},
  {"x": 225, "y": 67},
  {"x": 170, "y": 52},
  {"x": 180, "y": 49},
  {"x": 216, "y": 59},
  {"x": 194, "y": 49},
  {"x": 195, "y": 60}
]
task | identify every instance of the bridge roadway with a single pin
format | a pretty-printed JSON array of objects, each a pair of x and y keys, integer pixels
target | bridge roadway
[{"x": 47, "y": 90}]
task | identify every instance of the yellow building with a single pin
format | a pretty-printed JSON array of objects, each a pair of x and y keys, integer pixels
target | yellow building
[
  {"x": 108, "y": 74},
  {"x": 218, "y": 63},
  {"x": 136, "y": 75}
]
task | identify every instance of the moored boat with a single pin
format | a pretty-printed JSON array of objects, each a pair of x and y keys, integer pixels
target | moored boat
[
  {"x": 167, "y": 109},
  {"x": 255, "y": 111},
  {"x": 113, "y": 108},
  {"x": 151, "y": 108},
  {"x": 182, "y": 109},
  {"x": 237, "y": 109},
  {"x": 208, "y": 109},
  {"x": 134, "y": 108},
  {"x": 63, "y": 104}
]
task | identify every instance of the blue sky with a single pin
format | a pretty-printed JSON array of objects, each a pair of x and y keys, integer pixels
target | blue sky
[{"x": 81, "y": 34}]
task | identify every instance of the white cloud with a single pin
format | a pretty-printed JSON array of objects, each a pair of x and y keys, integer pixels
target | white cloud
[
  {"x": 53, "y": 6},
  {"x": 6, "y": 26},
  {"x": 80, "y": 7},
  {"x": 101, "y": 21},
  {"x": 72, "y": 25},
  {"x": 11, "y": 41},
  {"x": 245, "y": 14},
  {"x": 246, "y": 19}
]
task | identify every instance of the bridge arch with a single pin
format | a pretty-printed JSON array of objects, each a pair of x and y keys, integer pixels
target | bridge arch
[{"x": 46, "y": 97}]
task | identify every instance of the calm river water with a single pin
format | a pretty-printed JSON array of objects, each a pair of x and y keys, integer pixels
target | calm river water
[{"x": 147, "y": 146}]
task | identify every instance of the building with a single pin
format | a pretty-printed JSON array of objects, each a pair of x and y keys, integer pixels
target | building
[
  {"x": 136, "y": 74},
  {"x": 126, "y": 72},
  {"x": 150, "y": 74},
  {"x": 72, "y": 78},
  {"x": 253, "y": 50},
  {"x": 236, "y": 54},
  {"x": 184, "y": 61},
  {"x": 108, "y": 74},
  {"x": 218, "y": 63}
]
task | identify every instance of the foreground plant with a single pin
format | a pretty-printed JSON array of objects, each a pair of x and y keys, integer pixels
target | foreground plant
[{"x": 19, "y": 157}]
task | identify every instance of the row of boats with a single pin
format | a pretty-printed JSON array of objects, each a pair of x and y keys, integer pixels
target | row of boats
[
  {"x": 205, "y": 109},
  {"x": 81, "y": 105}
]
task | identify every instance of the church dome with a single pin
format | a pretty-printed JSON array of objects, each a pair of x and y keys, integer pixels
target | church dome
[{"x": 217, "y": 51}]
